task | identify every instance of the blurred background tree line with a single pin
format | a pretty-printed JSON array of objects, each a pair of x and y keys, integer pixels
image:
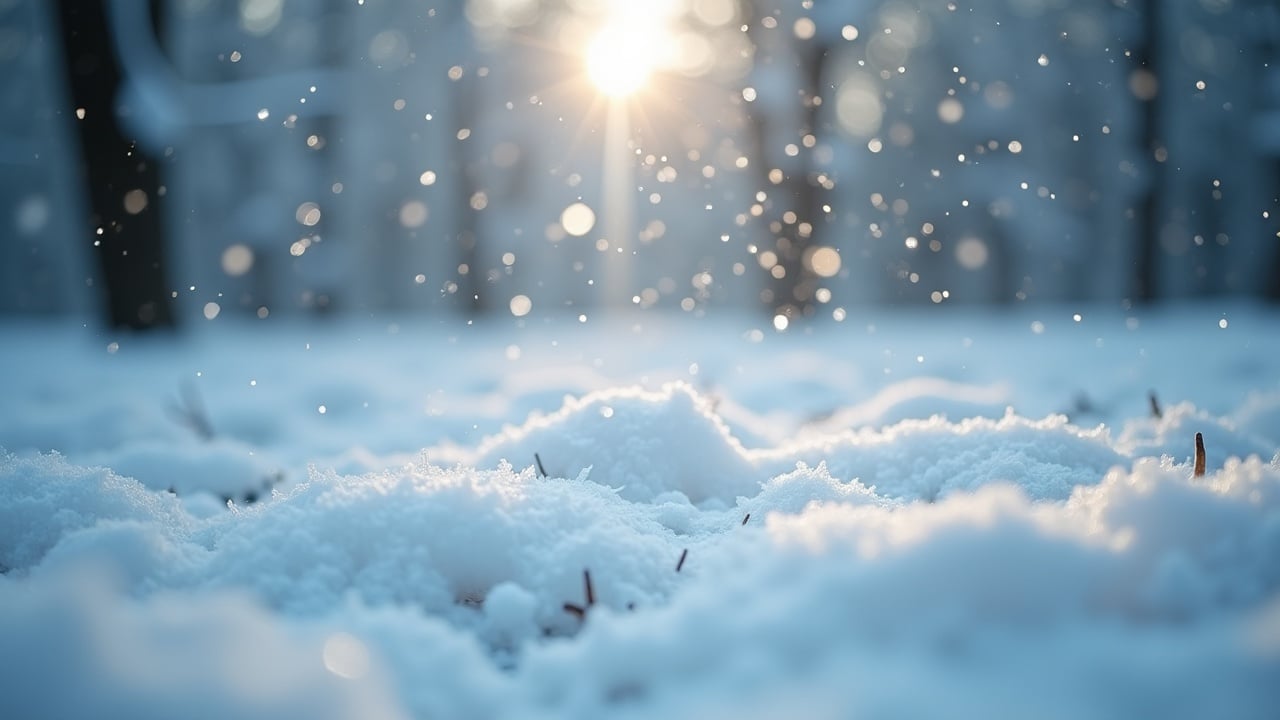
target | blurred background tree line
[{"x": 190, "y": 159}]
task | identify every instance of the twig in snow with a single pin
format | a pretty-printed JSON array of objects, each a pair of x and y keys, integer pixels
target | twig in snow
[
  {"x": 580, "y": 611},
  {"x": 1199, "y": 469},
  {"x": 683, "y": 554},
  {"x": 537, "y": 459},
  {"x": 251, "y": 495},
  {"x": 1156, "y": 412},
  {"x": 189, "y": 411},
  {"x": 745, "y": 519}
]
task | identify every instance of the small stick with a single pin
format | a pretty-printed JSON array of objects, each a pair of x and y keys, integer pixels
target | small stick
[
  {"x": 683, "y": 554},
  {"x": 541, "y": 470},
  {"x": 1156, "y": 412},
  {"x": 745, "y": 519},
  {"x": 580, "y": 611},
  {"x": 1199, "y": 469}
]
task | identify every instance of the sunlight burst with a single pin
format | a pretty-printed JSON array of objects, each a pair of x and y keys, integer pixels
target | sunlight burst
[{"x": 621, "y": 59}]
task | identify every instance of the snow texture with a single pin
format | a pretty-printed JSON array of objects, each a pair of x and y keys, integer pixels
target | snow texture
[{"x": 995, "y": 565}]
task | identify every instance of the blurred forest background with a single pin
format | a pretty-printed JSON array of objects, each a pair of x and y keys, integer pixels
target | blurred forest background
[{"x": 180, "y": 160}]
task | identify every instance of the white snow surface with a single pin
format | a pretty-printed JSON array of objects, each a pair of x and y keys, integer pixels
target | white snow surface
[{"x": 946, "y": 515}]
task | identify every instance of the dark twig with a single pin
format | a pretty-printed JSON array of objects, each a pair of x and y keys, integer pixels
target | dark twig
[
  {"x": 745, "y": 519},
  {"x": 189, "y": 411},
  {"x": 1156, "y": 412},
  {"x": 683, "y": 554},
  {"x": 1199, "y": 469},
  {"x": 541, "y": 471},
  {"x": 580, "y": 611}
]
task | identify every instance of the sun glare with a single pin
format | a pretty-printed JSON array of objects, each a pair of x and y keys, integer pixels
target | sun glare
[{"x": 621, "y": 59}]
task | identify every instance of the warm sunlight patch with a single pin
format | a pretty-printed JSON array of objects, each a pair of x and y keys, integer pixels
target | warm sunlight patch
[{"x": 621, "y": 59}]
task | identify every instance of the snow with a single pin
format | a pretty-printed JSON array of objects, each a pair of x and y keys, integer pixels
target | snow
[{"x": 885, "y": 518}]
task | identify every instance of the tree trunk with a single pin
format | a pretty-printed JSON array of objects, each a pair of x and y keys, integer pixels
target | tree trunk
[{"x": 123, "y": 183}]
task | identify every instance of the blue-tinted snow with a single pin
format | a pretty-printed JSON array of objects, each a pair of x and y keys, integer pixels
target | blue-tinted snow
[{"x": 928, "y": 536}]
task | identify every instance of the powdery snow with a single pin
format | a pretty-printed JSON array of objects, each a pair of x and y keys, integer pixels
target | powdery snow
[{"x": 993, "y": 564}]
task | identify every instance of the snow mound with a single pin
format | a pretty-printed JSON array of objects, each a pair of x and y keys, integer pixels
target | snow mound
[
  {"x": 646, "y": 444},
  {"x": 643, "y": 443},
  {"x": 443, "y": 540},
  {"x": 929, "y": 459},
  {"x": 45, "y": 498}
]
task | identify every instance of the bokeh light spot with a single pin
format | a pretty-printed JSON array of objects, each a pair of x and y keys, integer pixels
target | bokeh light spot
[
  {"x": 344, "y": 654},
  {"x": 413, "y": 214},
  {"x": 972, "y": 253},
  {"x": 308, "y": 213},
  {"x": 859, "y": 107},
  {"x": 824, "y": 261},
  {"x": 521, "y": 305},
  {"x": 135, "y": 201},
  {"x": 950, "y": 111},
  {"x": 237, "y": 260},
  {"x": 578, "y": 219}
]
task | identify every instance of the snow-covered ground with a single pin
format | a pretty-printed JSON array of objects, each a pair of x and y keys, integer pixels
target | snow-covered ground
[{"x": 955, "y": 513}]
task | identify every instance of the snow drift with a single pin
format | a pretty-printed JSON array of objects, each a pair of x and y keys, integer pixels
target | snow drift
[{"x": 986, "y": 567}]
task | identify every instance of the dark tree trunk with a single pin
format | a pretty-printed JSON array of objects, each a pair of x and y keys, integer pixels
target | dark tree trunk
[
  {"x": 1146, "y": 261},
  {"x": 792, "y": 295},
  {"x": 123, "y": 183},
  {"x": 808, "y": 194}
]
